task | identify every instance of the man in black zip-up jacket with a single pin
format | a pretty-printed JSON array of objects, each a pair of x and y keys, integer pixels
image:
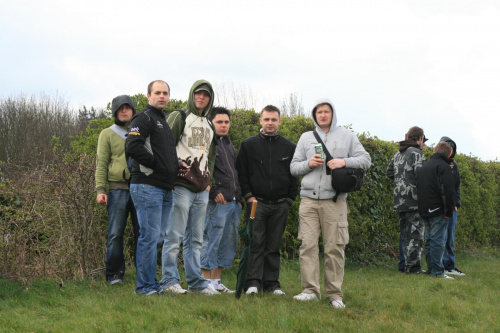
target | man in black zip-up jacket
[
  {"x": 449, "y": 252},
  {"x": 155, "y": 165},
  {"x": 263, "y": 165},
  {"x": 220, "y": 238},
  {"x": 435, "y": 190}
]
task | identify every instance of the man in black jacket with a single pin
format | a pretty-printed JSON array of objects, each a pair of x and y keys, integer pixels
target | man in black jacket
[
  {"x": 263, "y": 165},
  {"x": 435, "y": 189},
  {"x": 155, "y": 165},
  {"x": 449, "y": 252},
  {"x": 220, "y": 238}
]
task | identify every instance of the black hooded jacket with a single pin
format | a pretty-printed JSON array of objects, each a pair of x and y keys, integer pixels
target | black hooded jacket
[
  {"x": 435, "y": 187},
  {"x": 457, "y": 198}
]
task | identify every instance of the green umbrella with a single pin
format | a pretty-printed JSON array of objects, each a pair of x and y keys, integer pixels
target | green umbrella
[{"x": 246, "y": 234}]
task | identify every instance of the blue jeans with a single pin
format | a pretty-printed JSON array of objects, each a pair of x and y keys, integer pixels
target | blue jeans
[
  {"x": 220, "y": 239},
  {"x": 449, "y": 251},
  {"x": 435, "y": 238},
  {"x": 153, "y": 207},
  {"x": 186, "y": 223},
  {"x": 120, "y": 205}
]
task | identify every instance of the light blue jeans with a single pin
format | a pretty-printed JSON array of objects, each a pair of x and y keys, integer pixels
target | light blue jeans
[
  {"x": 152, "y": 205},
  {"x": 220, "y": 239},
  {"x": 185, "y": 224}
]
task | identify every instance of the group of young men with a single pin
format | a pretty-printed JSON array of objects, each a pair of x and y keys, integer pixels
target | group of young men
[
  {"x": 178, "y": 178},
  {"x": 426, "y": 198}
]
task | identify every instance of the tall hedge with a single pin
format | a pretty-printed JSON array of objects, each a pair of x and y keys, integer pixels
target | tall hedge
[{"x": 51, "y": 226}]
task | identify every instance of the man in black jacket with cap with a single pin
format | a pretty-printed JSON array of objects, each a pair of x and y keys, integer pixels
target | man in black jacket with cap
[{"x": 435, "y": 189}]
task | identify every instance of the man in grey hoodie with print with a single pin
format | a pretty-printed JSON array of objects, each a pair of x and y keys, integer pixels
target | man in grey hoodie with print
[
  {"x": 318, "y": 212},
  {"x": 195, "y": 145}
]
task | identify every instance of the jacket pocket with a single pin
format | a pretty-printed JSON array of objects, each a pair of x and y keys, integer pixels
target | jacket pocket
[{"x": 342, "y": 233}]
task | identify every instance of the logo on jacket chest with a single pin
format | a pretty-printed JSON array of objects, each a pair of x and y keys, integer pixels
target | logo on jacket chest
[{"x": 200, "y": 137}]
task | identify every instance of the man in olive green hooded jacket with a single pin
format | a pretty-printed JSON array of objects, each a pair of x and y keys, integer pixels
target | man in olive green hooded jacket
[{"x": 194, "y": 137}]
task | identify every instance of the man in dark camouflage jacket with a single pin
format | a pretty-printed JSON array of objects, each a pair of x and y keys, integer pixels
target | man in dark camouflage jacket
[{"x": 403, "y": 170}]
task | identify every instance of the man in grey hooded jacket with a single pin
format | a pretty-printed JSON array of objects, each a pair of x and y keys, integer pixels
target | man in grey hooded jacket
[{"x": 318, "y": 212}]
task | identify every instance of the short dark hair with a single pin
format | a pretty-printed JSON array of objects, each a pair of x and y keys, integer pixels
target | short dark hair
[
  {"x": 443, "y": 148},
  {"x": 414, "y": 133},
  {"x": 150, "y": 86},
  {"x": 270, "y": 108},
  {"x": 219, "y": 110}
]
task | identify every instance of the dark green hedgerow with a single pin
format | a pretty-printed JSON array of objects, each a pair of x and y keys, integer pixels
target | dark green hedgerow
[{"x": 51, "y": 226}]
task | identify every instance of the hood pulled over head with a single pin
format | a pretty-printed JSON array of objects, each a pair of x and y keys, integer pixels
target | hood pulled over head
[
  {"x": 118, "y": 101},
  {"x": 452, "y": 144},
  {"x": 199, "y": 86},
  {"x": 323, "y": 101}
]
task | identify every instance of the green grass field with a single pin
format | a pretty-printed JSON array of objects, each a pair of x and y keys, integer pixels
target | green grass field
[{"x": 378, "y": 299}]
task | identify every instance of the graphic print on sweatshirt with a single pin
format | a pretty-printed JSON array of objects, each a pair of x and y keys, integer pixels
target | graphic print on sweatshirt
[{"x": 194, "y": 148}]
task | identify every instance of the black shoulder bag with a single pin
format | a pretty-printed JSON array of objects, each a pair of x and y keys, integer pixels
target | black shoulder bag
[{"x": 344, "y": 179}]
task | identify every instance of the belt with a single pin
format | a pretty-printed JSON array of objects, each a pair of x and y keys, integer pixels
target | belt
[{"x": 270, "y": 202}]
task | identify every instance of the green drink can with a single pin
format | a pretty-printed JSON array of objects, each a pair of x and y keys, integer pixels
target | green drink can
[{"x": 319, "y": 150}]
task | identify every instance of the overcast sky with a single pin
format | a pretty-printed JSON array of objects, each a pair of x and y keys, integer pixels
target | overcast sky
[{"x": 386, "y": 64}]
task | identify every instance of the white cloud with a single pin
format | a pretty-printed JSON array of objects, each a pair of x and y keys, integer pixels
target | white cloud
[{"x": 387, "y": 65}]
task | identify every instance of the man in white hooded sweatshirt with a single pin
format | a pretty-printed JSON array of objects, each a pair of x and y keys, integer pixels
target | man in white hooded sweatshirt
[{"x": 318, "y": 212}]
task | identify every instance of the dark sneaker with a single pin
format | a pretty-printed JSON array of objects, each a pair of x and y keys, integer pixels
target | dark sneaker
[
  {"x": 114, "y": 281},
  {"x": 421, "y": 271},
  {"x": 151, "y": 293}
]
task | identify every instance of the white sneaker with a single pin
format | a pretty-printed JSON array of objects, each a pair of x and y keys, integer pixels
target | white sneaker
[
  {"x": 446, "y": 277},
  {"x": 338, "y": 304},
  {"x": 455, "y": 272},
  {"x": 278, "y": 292},
  {"x": 306, "y": 297},
  {"x": 252, "y": 291},
  {"x": 223, "y": 289},
  {"x": 209, "y": 291},
  {"x": 176, "y": 289}
]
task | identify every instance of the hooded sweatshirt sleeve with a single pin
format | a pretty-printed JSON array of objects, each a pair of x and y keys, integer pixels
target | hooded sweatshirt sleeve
[
  {"x": 103, "y": 158},
  {"x": 300, "y": 161},
  {"x": 176, "y": 124}
]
